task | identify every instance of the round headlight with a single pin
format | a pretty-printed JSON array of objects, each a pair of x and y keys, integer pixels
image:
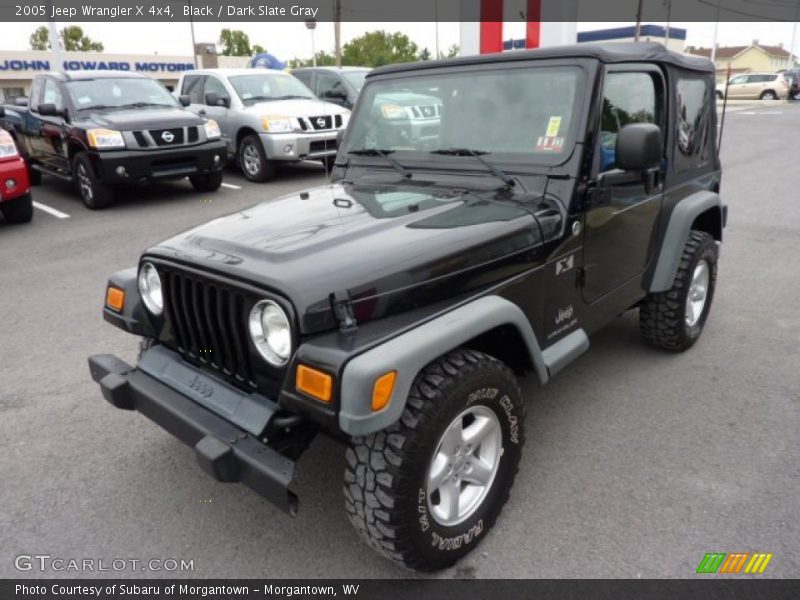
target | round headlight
[
  {"x": 150, "y": 289},
  {"x": 271, "y": 332}
]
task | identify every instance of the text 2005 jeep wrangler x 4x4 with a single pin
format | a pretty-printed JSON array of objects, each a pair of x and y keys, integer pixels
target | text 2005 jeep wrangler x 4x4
[{"x": 395, "y": 308}]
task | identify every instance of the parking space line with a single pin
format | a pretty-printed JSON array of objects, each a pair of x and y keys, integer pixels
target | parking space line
[
  {"x": 52, "y": 211},
  {"x": 231, "y": 186}
]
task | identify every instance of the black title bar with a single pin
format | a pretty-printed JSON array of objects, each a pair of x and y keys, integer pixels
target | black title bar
[{"x": 393, "y": 10}]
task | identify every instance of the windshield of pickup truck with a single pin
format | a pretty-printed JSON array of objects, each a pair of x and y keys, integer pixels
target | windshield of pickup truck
[
  {"x": 514, "y": 114},
  {"x": 118, "y": 93},
  {"x": 262, "y": 87},
  {"x": 355, "y": 78}
]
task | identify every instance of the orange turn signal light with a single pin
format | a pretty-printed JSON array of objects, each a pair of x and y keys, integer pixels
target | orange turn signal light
[
  {"x": 314, "y": 383},
  {"x": 115, "y": 298},
  {"x": 382, "y": 390}
]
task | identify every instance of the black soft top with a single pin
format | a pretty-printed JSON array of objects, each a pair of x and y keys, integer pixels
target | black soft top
[{"x": 613, "y": 52}]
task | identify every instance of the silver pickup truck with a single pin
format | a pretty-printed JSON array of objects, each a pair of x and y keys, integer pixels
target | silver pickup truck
[{"x": 268, "y": 117}]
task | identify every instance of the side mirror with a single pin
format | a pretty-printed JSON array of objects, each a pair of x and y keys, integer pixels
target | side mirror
[
  {"x": 214, "y": 99},
  {"x": 639, "y": 147},
  {"x": 184, "y": 100},
  {"x": 48, "y": 109}
]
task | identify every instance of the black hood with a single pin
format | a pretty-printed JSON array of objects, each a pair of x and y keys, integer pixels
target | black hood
[
  {"x": 150, "y": 117},
  {"x": 391, "y": 247}
]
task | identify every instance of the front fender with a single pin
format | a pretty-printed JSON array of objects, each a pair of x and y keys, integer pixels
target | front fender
[
  {"x": 411, "y": 351},
  {"x": 133, "y": 317}
]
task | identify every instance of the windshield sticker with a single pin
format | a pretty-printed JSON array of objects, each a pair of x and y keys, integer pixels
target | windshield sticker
[
  {"x": 553, "y": 125},
  {"x": 550, "y": 144}
]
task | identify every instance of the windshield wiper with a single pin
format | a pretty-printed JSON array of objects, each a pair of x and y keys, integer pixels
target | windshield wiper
[
  {"x": 291, "y": 96},
  {"x": 143, "y": 104},
  {"x": 385, "y": 155},
  {"x": 97, "y": 107},
  {"x": 478, "y": 154}
]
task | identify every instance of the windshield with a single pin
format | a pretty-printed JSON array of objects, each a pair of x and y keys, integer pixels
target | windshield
[
  {"x": 269, "y": 86},
  {"x": 523, "y": 115},
  {"x": 116, "y": 93},
  {"x": 355, "y": 78}
]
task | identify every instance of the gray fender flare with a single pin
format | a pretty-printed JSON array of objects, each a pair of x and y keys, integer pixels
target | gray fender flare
[
  {"x": 411, "y": 351},
  {"x": 677, "y": 232}
]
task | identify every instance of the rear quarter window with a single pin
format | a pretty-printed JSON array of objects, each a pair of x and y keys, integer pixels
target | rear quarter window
[{"x": 692, "y": 123}]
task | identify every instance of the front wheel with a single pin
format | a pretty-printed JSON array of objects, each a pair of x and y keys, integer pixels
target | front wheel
[
  {"x": 206, "y": 183},
  {"x": 673, "y": 320},
  {"x": 95, "y": 194},
  {"x": 253, "y": 160},
  {"x": 427, "y": 490},
  {"x": 18, "y": 210}
]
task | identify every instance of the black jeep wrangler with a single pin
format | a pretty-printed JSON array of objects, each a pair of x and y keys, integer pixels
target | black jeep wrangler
[{"x": 396, "y": 308}]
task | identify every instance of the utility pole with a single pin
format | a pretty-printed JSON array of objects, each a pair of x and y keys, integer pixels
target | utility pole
[
  {"x": 337, "y": 31},
  {"x": 436, "y": 18},
  {"x": 191, "y": 26},
  {"x": 794, "y": 35},
  {"x": 669, "y": 15},
  {"x": 311, "y": 25},
  {"x": 638, "y": 30},
  {"x": 714, "y": 42},
  {"x": 55, "y": 46}
]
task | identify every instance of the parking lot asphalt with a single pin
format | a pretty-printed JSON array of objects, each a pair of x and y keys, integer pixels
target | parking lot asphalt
[{"x": 637, "y": 462}]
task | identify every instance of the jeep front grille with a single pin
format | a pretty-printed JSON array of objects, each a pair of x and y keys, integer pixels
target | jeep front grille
[{"x": 209, "y": 324}]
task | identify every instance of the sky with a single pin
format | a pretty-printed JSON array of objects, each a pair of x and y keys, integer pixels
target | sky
[{"x": 290, "y": 40}]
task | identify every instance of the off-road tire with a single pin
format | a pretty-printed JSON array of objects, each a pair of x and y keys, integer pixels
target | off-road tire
[
  {"x": 97, "y": 195},
  {"x": 18, "y": 210},
  {"x": 385, "y": 480},
  {"x": 209, "y": 182},
  {"x": 267, "y": 168},
  {"x": 662, "y": 315}
]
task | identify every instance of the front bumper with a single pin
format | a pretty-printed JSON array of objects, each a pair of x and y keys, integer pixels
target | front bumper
[
  {"x": 145, "y": 165},
  {"x": 224, "y": 451},
  {"x": 13, "y": 170},
  {"x": 299, "y": 146}
]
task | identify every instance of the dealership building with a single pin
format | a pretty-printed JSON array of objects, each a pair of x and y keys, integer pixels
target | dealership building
[{"x": 18, "y": 68}]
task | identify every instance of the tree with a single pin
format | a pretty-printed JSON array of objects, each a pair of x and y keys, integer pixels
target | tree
[
  {"x": 452, "y": 51},
  {"x": 235, "y": 42},
  {"x": 40, "y": 39},
  {"x": 425, "y": 54},
  {"x": 258, "y": 49},
  {"x": 72, "y": 39},
  {"x": 378, "y": 48},
  {"x": 323, "y": 60}
]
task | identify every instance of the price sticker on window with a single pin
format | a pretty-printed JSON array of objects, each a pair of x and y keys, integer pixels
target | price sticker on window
[{"x": 553, "y": 126}]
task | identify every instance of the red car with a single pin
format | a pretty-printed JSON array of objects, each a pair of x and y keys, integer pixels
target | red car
[{"x": 15, "y": 191}]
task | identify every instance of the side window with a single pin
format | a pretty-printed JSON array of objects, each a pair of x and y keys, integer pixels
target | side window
[
  {"x": 216, "y": 86},
  {"x": 305, "y": 77},
  {"x": 52, "y": 94},
  {"x": 36, "y": 93},
  {"x": 739, "y": 79},
  {"x": 627, "y": 98},
  {"x": 693, "y": 123},
  {"x": 329, "y": 85},
  {"x": 193, "y": 87}
]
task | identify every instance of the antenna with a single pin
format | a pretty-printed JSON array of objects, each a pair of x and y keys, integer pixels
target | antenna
[{"x": 724, "y": 105}]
